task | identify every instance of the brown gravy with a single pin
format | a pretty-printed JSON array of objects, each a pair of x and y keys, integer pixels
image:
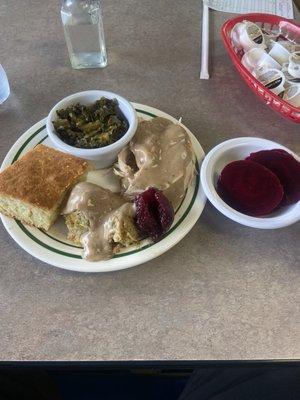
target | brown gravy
[{"x": 159, "y": 155}]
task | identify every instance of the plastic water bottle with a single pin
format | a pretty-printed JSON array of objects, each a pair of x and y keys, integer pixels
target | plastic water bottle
[
  {"x": 83, "y": 27},
  {"x": 4, "y": 85}
]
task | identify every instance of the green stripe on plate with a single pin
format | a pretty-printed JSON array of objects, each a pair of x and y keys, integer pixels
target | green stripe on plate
[
  {"x": 17, "y": 155},
  {"x": 59, "y": 241},
  {"x": 41, "y": 141},
  {"x": 26, "y": 231},
  {"x": 38, "y": 241},
  {"x": 145, "y": 112}
]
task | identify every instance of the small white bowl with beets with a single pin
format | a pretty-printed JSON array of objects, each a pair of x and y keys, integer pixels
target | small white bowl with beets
[
  {"x": 258, "y": 192},
  {"x": 101, "y": 157}
]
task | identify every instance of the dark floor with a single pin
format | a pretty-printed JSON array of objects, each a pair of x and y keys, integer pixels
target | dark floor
[
  {"x": 122, "y": 386},
  {"x": 205, "y": 382}
]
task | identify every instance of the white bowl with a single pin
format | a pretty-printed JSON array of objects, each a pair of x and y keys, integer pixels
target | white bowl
[
  {"x": 101, "y": 157},
  {"x": 239, "y": 149}
]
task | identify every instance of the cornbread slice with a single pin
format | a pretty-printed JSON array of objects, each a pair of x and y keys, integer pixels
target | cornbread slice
[{"x": 33, "y": 188}]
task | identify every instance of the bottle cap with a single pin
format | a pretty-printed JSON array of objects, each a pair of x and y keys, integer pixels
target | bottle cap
[
  {"x": 294, "y": 64},
  {"x": 292, "y": 95},
  {"x": 235, "y": 35},
  {"x": 280, "y": 51},
  {"x": 251, "y": 36},
  {"x": 271, "y": 36},
  {"x": 273, "y": 79},
  {"x": 289, "y": 79},
  {"x": 257, "y": 58}
]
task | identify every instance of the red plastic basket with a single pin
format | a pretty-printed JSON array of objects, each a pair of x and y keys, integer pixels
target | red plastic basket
[{"x": 267, "y": 21}]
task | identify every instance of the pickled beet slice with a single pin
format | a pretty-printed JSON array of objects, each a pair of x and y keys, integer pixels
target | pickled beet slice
[
  {"x": 154, "y": 213},
  {"x": 250, "y": 187},
  {"x": 285, "y": 167}
]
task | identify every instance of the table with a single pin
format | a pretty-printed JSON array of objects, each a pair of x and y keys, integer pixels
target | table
[{"x": 225, "y": 292}]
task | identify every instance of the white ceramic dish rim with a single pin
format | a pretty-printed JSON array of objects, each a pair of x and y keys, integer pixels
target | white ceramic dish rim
[
  {"x": 185, "y": 223},
  {"x": 101, "y": 150},
  {"x": 289, "y": 217}
]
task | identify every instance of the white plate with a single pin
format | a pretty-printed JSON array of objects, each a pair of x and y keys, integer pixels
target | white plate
[{"x": 52, "y": 246}]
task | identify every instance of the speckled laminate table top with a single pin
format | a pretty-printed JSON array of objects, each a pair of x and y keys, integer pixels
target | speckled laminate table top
[{"x": 224, "y": 292}]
